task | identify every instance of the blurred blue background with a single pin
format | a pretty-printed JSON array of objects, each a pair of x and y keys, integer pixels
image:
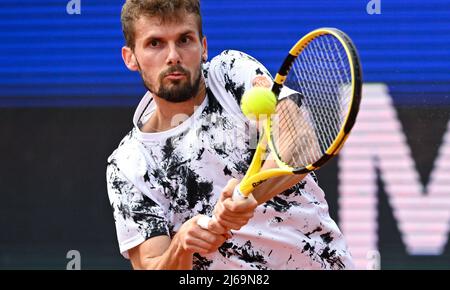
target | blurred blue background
[{"x": 50, "y": 58}]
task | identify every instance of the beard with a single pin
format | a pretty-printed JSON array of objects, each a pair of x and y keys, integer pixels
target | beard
[{"x": 176, "y": 91}]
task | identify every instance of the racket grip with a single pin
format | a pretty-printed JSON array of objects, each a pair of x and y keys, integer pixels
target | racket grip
[
  {"x": 203, "y": 221},
  {"x": 237, "y": 194}
]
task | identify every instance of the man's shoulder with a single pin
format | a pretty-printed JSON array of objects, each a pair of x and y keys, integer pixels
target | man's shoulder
[
  {"x": 236, "y": 64},
  {"x": 124, "y": 144},
  {"x": 129, "y": 155},
  {"x": 231, "y": 55}
]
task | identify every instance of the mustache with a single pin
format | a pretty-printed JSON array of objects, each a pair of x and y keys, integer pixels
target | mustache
[{"x": 174, "y": 69}]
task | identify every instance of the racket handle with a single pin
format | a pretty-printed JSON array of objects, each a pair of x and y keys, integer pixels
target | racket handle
[
  {"x": 203, "y": 221},
  {"x": 237, "y": 194}
]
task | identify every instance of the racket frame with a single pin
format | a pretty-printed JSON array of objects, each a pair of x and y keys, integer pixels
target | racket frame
[{"x": 254, "y": 176}]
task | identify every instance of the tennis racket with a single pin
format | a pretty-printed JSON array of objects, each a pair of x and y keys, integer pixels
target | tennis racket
[{"x": 318, "y": 88}]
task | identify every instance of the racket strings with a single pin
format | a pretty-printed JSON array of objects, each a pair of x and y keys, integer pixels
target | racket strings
[
  {"x": 295, "y": 138},
  {"x": 322, "y": 76},
  {"x": 311, "y": 80},
  {"x": 286, "y": 148},
  {"x": 324, "y": 86}
]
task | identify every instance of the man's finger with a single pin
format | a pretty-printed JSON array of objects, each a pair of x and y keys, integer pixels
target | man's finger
[
  {"x": 240, "y": 206},
  {"x": 229, "y": 188},
  {"x": 215, "y": 227}
]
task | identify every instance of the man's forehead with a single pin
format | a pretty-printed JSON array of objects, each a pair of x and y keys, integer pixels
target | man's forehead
[{"x": 152, "y": 24}]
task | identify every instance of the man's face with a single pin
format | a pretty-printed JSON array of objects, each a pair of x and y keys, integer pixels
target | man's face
[{"x": 169, "y": 56}]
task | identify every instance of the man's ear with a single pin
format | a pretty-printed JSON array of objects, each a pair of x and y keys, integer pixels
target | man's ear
[
  {"x": 129, "y": 58},
  {"x": 205, "y": 49}
]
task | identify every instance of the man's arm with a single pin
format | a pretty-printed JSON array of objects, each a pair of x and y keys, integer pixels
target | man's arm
[
  {"x": 276, "y": 185},
  {"x": 233, "y": 214},
  {"x": 162, "y": 253}
]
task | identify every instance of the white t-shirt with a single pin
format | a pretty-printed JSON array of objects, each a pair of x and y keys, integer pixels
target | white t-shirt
[{"x": 157, "y": 181}]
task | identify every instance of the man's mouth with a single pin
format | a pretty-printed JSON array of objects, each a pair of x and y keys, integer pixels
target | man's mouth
[{"x": 175, "y": 75}]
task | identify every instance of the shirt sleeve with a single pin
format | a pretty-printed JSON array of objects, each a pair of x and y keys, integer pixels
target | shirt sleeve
[
  {"x": 137, "y": 217},
  {"x": 235, "y": 71}
]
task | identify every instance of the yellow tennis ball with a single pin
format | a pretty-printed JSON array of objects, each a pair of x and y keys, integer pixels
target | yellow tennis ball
[{"x": 258, "y": 101}]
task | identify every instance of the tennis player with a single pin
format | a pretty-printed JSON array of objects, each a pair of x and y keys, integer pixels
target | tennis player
[{"x": 189, "y": 146}]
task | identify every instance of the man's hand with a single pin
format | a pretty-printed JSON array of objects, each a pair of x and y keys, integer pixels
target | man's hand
[
  {"x": 163, "y": 253},
  {"x": 194, "y": 239},
  {"x": 231, "y": 214}
]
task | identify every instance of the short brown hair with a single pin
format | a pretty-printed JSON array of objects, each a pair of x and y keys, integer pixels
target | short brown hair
[{"x": 166, "y": 10}]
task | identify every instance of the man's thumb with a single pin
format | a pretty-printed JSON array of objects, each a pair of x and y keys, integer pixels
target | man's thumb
[{"x": 229, "y": 188}]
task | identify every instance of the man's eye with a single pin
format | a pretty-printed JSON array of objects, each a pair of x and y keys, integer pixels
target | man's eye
[
  {"x": 184, "y": 40},
  {"x": 154, "y": 43}
]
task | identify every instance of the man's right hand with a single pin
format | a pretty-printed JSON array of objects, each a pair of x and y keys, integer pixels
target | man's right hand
[
  {"x": 161, "y": 252},
  {"x": 195, "y": 239},
  {"x": 231, "y": 214}
]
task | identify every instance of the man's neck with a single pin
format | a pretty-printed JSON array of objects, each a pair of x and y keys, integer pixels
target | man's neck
[{"x": 169, "y": 115}]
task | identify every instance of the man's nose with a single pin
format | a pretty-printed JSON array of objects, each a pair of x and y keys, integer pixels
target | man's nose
[{"x": 174, "y": 56}]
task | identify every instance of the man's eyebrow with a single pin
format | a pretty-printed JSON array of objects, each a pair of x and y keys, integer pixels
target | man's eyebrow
[
  {"x": 190, "y": 31},
  {"x": 160, "y": 38},
  {"x": 152, "y": 37}
]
